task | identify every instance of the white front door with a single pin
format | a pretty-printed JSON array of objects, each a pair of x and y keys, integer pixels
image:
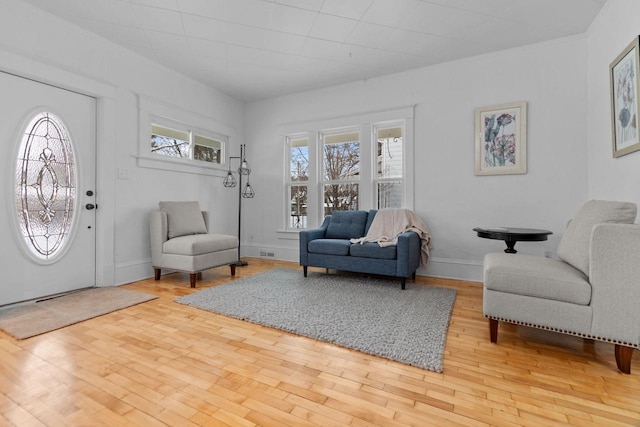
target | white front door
[{"x": 47, "y": 184}]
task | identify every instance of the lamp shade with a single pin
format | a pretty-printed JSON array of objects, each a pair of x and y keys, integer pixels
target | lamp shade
[
  {"x": 229, "y": 180},
  {"x": 248, "y": 192}
]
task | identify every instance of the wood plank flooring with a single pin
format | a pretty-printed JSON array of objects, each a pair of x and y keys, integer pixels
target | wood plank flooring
[{"x": 162, "y": 363}]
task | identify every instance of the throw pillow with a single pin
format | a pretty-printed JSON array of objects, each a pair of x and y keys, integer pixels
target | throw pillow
[
  {"x": 346, "y": 225},
  {"x": 183, "y": 218},
  {"x": 574, "y": 245}
]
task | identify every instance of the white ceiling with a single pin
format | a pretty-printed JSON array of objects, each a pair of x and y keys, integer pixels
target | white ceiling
[{"x": 256, "y": 49}]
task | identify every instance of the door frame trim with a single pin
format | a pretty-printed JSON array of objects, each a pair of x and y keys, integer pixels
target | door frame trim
[{"x": 106, "y": 123}]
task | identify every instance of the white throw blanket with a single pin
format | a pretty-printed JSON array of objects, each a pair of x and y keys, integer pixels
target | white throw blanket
[{"x": 388, "y": 224}]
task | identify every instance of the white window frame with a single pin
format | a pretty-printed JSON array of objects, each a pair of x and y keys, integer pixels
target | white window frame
[
  {"x": 288, "y": 182},
  {"x": 321, "y": 144},
  {"x": 366, "y": 124},
  {"x": 375, "y": 127},
  {"x": 154, "y": 112}
]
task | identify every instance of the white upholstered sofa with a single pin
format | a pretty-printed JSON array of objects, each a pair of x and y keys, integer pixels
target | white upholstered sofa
[
  {"x": 180, "y": 241},
  {"x": 592, "y": 290}
]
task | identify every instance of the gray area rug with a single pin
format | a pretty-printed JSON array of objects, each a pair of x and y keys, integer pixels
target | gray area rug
[
  {"x": 36, "y": 318},
  {"x": 370, "y": 315}
]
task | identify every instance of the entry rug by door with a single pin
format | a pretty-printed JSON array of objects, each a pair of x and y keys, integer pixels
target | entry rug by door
[
  {"x": 36, "y": 318},
  {"x": 370, "y": 315}
]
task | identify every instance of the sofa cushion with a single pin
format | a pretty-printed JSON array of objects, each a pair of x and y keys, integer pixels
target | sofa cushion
[
  {"x": 183, "y": 218},
  {"x": 347, "y": 225},
  {"x": 574, "y": 245},
  {"x": 373, "y": 250},
  {"x": 330, "y": 246},
  {"x": 536, "y": 277},
  {"x": 199, "y": 244}
]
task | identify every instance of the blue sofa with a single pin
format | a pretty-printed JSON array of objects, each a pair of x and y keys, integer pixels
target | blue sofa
[{"x": 330, "y": 247}]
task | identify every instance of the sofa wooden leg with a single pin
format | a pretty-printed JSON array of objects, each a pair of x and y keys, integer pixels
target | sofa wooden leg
[
  {"x": 493, "y": 330},
  {"x": 192, "y": 279},
  {"x": 623, "y": 358},
  {"x": 156, "y": 273},
  {"x": 304, "y": 270},
  {"x": 233, "y": 269},
  {"x": 403, "y": 283}
]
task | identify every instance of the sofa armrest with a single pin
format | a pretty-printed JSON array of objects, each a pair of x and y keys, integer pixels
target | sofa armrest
[
  {"x": 158, "y": 235},
  {"x": 305, "y": 236},
  {"x": 408, "y": 251},
  {"x": 614, "y": 273}
]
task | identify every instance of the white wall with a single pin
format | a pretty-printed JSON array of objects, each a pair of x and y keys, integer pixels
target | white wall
[
  {"x": 36, "y": 44},
  {"x": 610, "y": 178},
  {"x": 552, "y": 79},
  {"x": 564, "y": 82}
]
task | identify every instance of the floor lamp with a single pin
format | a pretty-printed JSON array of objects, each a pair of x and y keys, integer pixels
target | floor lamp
[{"x": 245, "y": 192}]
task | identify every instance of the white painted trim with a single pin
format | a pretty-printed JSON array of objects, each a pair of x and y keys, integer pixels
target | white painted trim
[
  {"x": 131, "y": 271},
  {"x": 150, "y": 109}
]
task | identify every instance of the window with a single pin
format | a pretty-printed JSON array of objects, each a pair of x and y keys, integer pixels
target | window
[
  {"x": 180, "y": 140},
  {"x": 349, "y": 163},
  {"x": 341, "y": 170},
  {"x": 170, "y": 142},
  {"x": 298, "y": 180},
  {"x": 207, "y": 149},
  {"x": 45, "y": 186},
  {"x": 185, "y": 144},
  {"x": 389, "y": 165}
]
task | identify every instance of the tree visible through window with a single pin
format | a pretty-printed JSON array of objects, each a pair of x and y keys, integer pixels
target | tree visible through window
[
  {"x": 298, "y": 180},
  {"x": 339, "y": 168},
  {"x": 341, "y": 171},
  {"x": 186, "y": 144}
]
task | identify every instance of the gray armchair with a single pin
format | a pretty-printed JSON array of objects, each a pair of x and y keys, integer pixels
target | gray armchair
[
  {"x": 592, "y": 291},
  {"x": 180, "y": 241}
]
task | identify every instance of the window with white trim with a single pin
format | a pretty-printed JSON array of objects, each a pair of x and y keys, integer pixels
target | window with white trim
[
  {"x": 185, "y": 143},
  {"x": 340, "y": 170},
  {"x": 297, "y": 181},
  {"x": 338, "y": 165},
  {"x": 176, "y": 139},
  {"x": 388, "y": 177}
]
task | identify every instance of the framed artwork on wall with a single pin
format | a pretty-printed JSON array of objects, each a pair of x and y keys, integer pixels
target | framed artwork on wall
[
  {"x": 624, "y": 100},
  {"x": 501, "y": 139}
]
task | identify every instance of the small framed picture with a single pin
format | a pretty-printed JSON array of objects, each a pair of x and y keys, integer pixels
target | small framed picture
[
  {"x": 624, "y": 100},
  {"x": 501, "y": 139}
]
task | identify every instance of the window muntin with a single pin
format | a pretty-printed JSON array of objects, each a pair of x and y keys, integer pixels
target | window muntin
[
  {"x": 340, "y": 170},
  {"x": 297, "y": 190},
  {"x": 46, "y": 183}
]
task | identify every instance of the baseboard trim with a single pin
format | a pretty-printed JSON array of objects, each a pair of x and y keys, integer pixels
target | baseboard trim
[
  {"x": 446, "y": 268},
  {"x": 131, "y": 271}
]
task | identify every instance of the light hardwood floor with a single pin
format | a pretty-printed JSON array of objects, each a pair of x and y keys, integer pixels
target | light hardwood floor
[{"x": 163, "y": 363}]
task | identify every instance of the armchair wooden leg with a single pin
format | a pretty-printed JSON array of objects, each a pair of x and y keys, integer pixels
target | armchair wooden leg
[
  {"x": 156, "y": 273},
  {"x": 403, "y": 283},
  {"x": 304, "y": 270},
  {"x": 192, "y": 279},
  {"x": 493, "y": 330},
  {"x": 233, "y": 269},
  {"x": 623, "y": 358}
]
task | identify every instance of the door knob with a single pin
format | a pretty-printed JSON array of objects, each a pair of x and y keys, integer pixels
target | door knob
[{"x": 90, "y": 206}]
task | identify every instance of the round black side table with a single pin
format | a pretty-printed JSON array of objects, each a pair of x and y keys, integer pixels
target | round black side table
[{"x": 512, "y": 235}]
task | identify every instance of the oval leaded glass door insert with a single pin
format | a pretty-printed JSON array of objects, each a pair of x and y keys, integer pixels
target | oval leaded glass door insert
[{"x": 45, "y": 186}]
